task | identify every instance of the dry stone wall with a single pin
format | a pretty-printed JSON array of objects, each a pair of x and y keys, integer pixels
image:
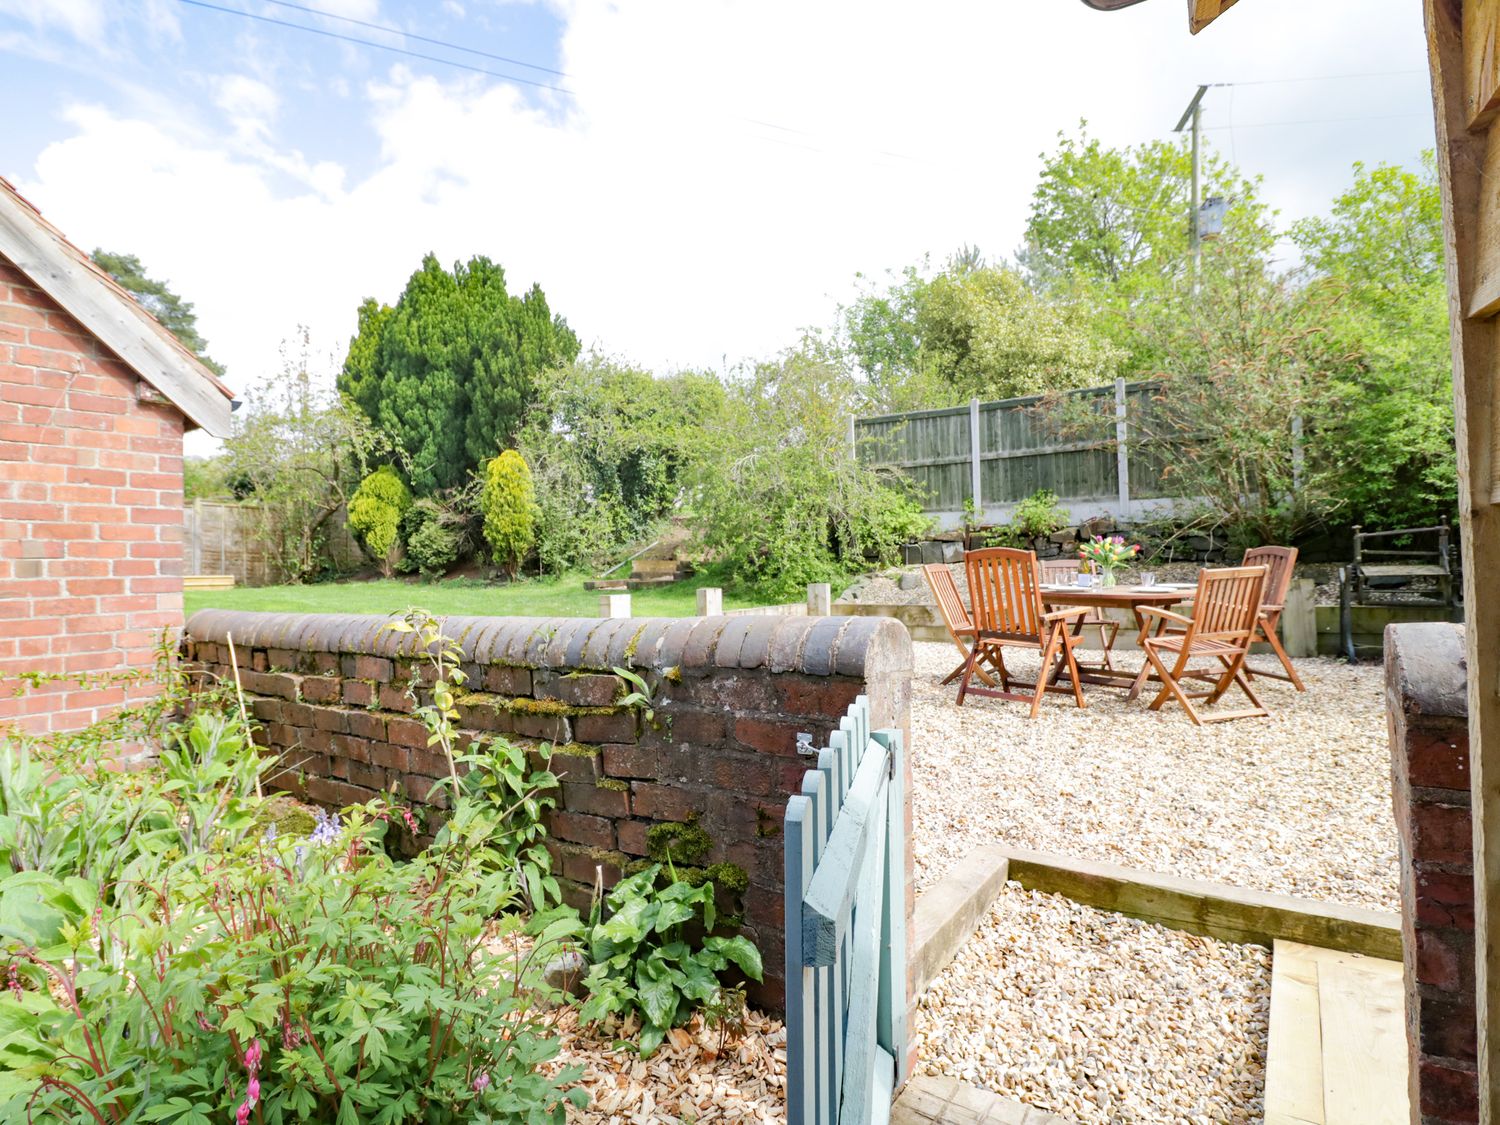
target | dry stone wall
[{"x": 730, "y": 696}]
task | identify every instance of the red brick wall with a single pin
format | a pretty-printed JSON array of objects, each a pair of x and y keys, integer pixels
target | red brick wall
[
  {"x": 730, "y": 697},
  {"x": 1427, "y": 709},
  {"x": 90, "y": 514}
]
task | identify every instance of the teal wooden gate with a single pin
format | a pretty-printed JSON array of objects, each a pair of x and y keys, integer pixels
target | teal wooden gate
[{"x": 846, "y": 928}]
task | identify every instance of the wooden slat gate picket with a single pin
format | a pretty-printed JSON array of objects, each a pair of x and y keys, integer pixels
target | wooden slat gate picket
[{"x": 846, "y": 928}]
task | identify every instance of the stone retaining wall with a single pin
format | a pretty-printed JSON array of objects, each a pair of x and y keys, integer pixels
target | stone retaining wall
[{"x": 730, "y": 696}]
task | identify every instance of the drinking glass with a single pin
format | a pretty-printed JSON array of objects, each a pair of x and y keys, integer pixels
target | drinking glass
[{"x": 1148, "y": 578}]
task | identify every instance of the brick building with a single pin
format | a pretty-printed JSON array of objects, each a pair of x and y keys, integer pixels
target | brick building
[{"x": 95, "y": 397}]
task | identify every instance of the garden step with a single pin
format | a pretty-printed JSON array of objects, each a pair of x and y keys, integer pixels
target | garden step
[
  {"x": 934, "y": 1100},
  {"x": 1338, "y": 1039}
]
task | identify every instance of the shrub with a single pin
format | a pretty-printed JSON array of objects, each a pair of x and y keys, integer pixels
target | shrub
[
  {"x": 508, "y": 503},
  {"x": 375, "y": 513},
  {"x": 783, "y": 500},
  {"x": 644, "y": 963},
  {"x": 435, "y": 537},
  {"x": 1034, "y": 518}
]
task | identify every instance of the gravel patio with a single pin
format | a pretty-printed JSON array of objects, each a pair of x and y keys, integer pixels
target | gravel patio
[
  {"x": 1100, "y": 1018},
  {"x": 1299, "y": 803}
]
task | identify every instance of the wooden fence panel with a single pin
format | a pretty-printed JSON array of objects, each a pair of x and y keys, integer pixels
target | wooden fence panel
[
  {"x": 929, "y": 446},
  {"x": 1023, "y": 448},
  {"x": 845, "y": 928},
  {"x": 223, "y": 537}
]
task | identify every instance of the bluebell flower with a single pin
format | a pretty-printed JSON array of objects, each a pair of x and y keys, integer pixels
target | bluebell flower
[{"x": 326, "y": 829}]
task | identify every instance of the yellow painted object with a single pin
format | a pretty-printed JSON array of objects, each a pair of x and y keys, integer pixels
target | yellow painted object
[{"x": 208, "y": 582}]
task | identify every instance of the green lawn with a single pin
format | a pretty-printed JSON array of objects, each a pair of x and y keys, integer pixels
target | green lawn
[{"x": 535, "y": 597}]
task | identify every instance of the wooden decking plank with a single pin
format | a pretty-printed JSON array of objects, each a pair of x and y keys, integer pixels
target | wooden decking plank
[
  {"x": 1360, "y": 1002},
  {"x": 1294, "y": 1059}
]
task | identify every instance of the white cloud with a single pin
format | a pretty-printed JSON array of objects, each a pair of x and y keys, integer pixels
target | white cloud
[
  {"x": 248, "y": 103},
  {"x": 723, "y": 170},
  {"x": 82, "y": 19},
  {"x": 350, "y": 9}
]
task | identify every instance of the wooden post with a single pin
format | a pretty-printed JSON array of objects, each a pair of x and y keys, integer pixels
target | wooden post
[
  {"x": 710, "y": 601},
  {"x": 1464, "y": 103},
  {"x": 975, "y": 488},
  {"x": 819, "y": 599},
  {"x": 614, "y": 605},
  {"x": 853, "y": 440},
  {"x": 1122, "y": 456}
]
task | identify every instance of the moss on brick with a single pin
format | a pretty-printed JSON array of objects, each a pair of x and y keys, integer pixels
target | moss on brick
[
  {"x": 613, "y": 784},
  {"x": 635, "y": 639},
  {"x": 524, "y": 705},
  {"x": 576, "y": 750},
  {"x": 766, "y": 824},
  {"x": 677, "y": 843}
]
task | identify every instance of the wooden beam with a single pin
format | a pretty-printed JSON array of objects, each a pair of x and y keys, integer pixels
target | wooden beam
[
  {"x": 112, "y": 317},
  {"x": 1476, "y": 365},
  {"x": 1201, "y": 13},
  {"x": 1481, "y": 62}
]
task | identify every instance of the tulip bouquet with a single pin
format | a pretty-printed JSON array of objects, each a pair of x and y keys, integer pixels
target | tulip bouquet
[{"x": 1106, "y": 553}]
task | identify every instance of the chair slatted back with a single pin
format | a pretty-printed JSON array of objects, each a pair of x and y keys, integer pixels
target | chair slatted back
[
  {"x": 1061, "y": 571},
  {"x": 1278, "y": 562},
  {"x": 1227, "y": 604},
  {"x": 1005, "y": 590},
  {"x": 949, "y": 602}
]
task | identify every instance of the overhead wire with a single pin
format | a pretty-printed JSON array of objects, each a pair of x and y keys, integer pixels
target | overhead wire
[
  {"x": 414, "y": 36},
  {"x": 371, "y": 43}
]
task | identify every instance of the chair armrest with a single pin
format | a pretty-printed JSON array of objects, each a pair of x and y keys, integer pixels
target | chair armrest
[
  {"x": 1154, "y": 611},
  {"x": 1063, "y": 614}
]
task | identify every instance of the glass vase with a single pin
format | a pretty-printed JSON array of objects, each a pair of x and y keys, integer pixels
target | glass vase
[{"x": 1107, "y": 576}]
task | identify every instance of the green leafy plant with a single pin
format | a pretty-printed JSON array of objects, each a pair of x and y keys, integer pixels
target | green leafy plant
[
  {"x": 1035, "y": 517},
  {"x": 497, "y": 783},
  {"x": 295, "y": 980},
  {"x": 509, "y": 506},
  {"x": 646, "y": 962},
  {"x": 640, "y": 697},
  {"x": 375, "y": 512}
]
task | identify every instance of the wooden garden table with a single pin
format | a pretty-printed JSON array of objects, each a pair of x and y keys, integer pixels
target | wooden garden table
[{"x": 1133, "y": 598}]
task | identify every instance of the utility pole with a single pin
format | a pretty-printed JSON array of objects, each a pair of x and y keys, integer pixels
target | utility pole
[{"x": 1193, "y": 116}]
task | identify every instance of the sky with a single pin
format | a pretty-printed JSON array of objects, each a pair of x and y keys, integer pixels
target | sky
[{"x": 692, "y": 182}]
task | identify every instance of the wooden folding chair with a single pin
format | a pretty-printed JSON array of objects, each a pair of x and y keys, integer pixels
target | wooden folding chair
[
  {"x": 1065, "y": 572},
  {"x": 1005, "y": 592},
  {"x": 955, "y": 615},
  {"x": 1226, "y": 610},
  {"x": 1278, "y": 562}
]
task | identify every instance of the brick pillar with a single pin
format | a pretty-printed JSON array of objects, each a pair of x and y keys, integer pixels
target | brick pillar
[{"x": 1428, "y": 716}]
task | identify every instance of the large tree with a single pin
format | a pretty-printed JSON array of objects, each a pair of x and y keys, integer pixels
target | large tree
[
  {"x": 1380, "y": 253},
  {"x": 970, "y": 331},
  {"x": 448, "y": 371},
  {"x": 1109, "y": 235},
  {"x": 175, "y": 314}
]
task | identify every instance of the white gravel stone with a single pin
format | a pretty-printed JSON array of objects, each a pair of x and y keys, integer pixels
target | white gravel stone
[
  {"x": 1100, "y": 1018},
  {"x": 1298, "y": 803}
]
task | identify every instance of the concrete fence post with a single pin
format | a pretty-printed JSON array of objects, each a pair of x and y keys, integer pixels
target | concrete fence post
[
  {"x": 1299, "y": 621},
  {"x": 975, "y": 482},
  {"x": 1122, "y": 454},
  {"x": 614, "y": 605},
  {"x": 819, "y": 599},
  {"x": 710, "y": 601}
]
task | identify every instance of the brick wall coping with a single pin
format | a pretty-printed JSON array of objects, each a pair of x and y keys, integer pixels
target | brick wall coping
[
  {"x": 1427, "y": 668},
  {"x": 812, "y": 646}
]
